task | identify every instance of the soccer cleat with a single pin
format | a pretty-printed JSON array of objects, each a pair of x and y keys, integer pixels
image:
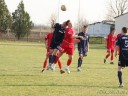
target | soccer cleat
[
  {"x": 104, "y": 60},
  {"x": 121, "y": 85},
  {"x": 61, "y": 71},
  {"x": 43, "y": 70},
  {"x": 78, "y": 69},
  {"x": 48, "y": 67},
  {"x": 67, "y": 70},
  {"x": 111, "y": 62},
  {"x": 53, "y": 67}
]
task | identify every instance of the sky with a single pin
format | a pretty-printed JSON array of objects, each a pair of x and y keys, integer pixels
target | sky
[{"x": 42, "y": 10}]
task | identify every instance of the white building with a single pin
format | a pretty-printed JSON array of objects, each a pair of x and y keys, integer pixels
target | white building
[
  {"x": 100, "y": 29},
  {"x": 121, "y": 21}
]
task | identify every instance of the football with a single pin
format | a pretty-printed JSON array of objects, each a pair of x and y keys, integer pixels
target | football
[{"x": 63, "y": 8}]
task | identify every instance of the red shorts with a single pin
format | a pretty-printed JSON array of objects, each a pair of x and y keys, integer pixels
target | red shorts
[
  {"x": 110, "y": 50},
  {"x": 68, "y": 50}
]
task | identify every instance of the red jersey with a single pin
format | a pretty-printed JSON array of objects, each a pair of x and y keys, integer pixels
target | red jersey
[
  {"x": 111, "y": 39},
  {"x": 48, "y": 38},
  {"x": 68, "y": 40}
]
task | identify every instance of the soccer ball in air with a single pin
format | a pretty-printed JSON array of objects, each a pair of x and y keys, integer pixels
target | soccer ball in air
[{"x": 63, "y": 8}]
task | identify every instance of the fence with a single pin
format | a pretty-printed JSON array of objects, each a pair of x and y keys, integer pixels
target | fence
[
  {"x": 33, "y": 36},
  {"x": 38, "y": 37}
]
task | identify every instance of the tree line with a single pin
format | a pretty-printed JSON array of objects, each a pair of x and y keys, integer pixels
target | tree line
[{"x": 18, "y": 22}]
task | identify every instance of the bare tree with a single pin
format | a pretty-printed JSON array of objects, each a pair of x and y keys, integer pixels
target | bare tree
[{"x": 116, "y": 8}]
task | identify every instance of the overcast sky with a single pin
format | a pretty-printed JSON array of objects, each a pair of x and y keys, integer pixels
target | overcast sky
[{"x": 41, "y": 10}]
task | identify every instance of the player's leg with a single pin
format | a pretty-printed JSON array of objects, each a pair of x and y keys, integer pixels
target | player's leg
[
  {"x": 120, "y": 76},
  {"x": 45, "y": 63},
  {"x": 83, "y": 53},
  {"x": 80, "y": 59},
  {"x": 69, "y": 61},
  {"x": 60, "y": 67},
  {"x": 121, "y": 65},
  {"x": 53, "y": 58},
  {"x": 70, "y": 52},
  {"x": 57, "y": 60},
  {"x": 112, "y": 57},
  {"x": 52, "y": 47},
  {"x": 50, "y": 56},
  {"x": 108, "y": 54}
]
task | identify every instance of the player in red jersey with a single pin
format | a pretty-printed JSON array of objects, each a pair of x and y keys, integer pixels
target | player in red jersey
[
  {"x": 48, "y": 39},
  {"x": 111, "y": 39},
  {"x": 68, "y": 44}
]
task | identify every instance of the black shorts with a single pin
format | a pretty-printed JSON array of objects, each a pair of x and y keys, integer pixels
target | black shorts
[
  {"x": 54, "y": 45},
  {"x": 82, "y": 51},
  {"x": 122, "y": 62}
]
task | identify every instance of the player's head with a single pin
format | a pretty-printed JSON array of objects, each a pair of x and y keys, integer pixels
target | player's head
[
  {"x": 112, "y": 31},
  {"x": 85, "y": 28},
  {"x": 69, "y": 24},
  {"x": 124, "y": 30},
  {"x": 64, "y": 25}
]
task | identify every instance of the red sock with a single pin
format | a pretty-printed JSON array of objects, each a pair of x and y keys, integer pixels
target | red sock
[
  {"x": 107, "y": 56},
  {"x": 57, "y": 58},
  {"x": 45, "y": 64},
  {"x": 69, "y": 62},
  {"x": 112, "y": 57},
  {"x": 59, "y": 64}
]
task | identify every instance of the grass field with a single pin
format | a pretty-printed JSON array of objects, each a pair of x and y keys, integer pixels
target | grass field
[{"x": 21, "y": 63}]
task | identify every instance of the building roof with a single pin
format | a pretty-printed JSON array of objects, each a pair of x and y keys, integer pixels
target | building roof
[
  {"x": 121, "y": 15},
  {"x": 104, "y": 22}
]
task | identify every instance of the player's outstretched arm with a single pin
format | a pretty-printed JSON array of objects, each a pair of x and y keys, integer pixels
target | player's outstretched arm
[
  {"x": 116, "y": 50},
  {"x": 76, "y": 36},
  {"x": 52, "y": 24}
]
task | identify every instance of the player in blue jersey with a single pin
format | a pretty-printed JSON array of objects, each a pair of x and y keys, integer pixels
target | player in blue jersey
[
  {"x": 58, "y": 36},
  {"x": 83, "y": 46},
  {"x": 122, "y": 43}
]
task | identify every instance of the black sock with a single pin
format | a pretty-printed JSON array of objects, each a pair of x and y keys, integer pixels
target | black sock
[
  {"x": 79, "y": 62},
  {"x": 50, "y": 57},
  {"x": 53, "y": 59},
  {"x": 120, "y": 76}
]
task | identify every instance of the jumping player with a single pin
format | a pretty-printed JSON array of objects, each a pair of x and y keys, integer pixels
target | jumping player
[
  {"x": 48, "y": 39},
  {"x": 122, "y": 42},
  {"x": 83, "y": 46},
  {"x": 58, "y": 36},
  {"x": 111, "y": 39},
  {"x": 68, "y": 44}
]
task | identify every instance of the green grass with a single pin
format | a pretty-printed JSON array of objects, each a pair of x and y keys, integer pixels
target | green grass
[{"x": 20, "y": 74}]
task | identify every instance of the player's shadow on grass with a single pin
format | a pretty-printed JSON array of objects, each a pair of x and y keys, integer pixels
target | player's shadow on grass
[{"x": 88, "y": 86}]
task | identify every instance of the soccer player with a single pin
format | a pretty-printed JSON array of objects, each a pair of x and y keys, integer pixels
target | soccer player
[
  {"x": 111, "y": 39},
  {"x": 48, "y": 39},
  {"x": 68, "y": 44},
  {"x": 83, "y": 46},
  {"x": 58, "y": 36},
  {"x": 122, "y": 42},
  {"x": 120, "y": 34}
]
